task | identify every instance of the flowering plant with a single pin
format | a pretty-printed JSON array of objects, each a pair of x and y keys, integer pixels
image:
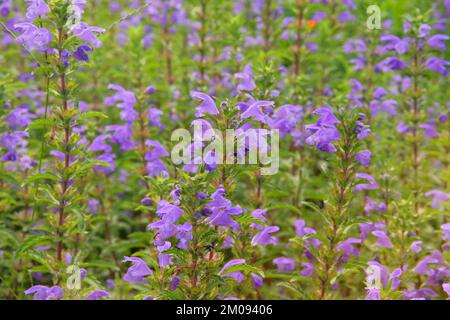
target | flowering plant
[{"x": 269, "y": 149}]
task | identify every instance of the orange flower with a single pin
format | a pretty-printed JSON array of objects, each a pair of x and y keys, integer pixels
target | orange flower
[{"x": 311, "y": 23}]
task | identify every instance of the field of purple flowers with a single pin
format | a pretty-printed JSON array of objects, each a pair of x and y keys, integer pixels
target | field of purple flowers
[{"x": 94, "y": 206}]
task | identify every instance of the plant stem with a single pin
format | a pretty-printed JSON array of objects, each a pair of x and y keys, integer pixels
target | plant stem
[{"x": 67, "y": 133}]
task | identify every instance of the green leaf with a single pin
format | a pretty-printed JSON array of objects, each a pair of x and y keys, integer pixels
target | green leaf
[
  {"x": 289, "y": 207},
  {"x": 247, "y": 268},
  {"x": 40, "y": 176},
  {"x": 91, "y": 114},
  {"x": 32, "y": 242}
]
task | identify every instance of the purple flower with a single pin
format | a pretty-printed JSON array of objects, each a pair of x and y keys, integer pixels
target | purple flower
[
  {"x": 257, "y": 281},
  {"x": 99, "y": 145},
  {"x": 446, "y": 231},
  {"x": 123, "y": 136},
  {"x": 93, "y": 205},
  {"x": 174, "y": 283},
  {"x": 285, "y": 264},
  {"x": 264, "y": 238},
  {"x": 222, "y": 210},
  {"x": 423, "y": 268},
  {"x": 381, "y": 275},
  {"x": 97, "y": 295},
  {"x": 19, "y": 117},
  {"x": 389, "y": 106},
  {"x": 372, "y": 185},
  {"x": 259, "y": 214},
  {"x": 109, "y": 159},
  {"x": 347, "y": 247},
  {"x": 356, "y": 86},
  {"x": 416, "y": 246},
  {"x": 154, "y": 116},
  {"x": 184, "y": 234},
  {"x": 45, "y": 293},
  {"x": 146, "y": 202},
  {"x": 301, "y": 230},
  {"x": 169, "y": 214},
  {"x": 286, "y": 118},
  {"x": 5, "y": 8},
  {"x": 382, "y": 239},
  {"x": 438, "y": 198},
  {"x": 359, "y": 62},
  {"x": 363, "y": 157},
  {"x": 401, "y": 46},
  {"x": 157, "y": 151},
  {"x": 33, "y": 37},
  {"x": 164, "y": 260},
  {"x": 207, "y": 106},
  {"x": 438, "y": 65},
  {"x": 420, "y": 294},
  {"x": 86, "y": 33},
  {"x": 80, "y": 53},
  {"x": 126, "y": 101},
  {"x": 236, "y": 275},
  {"x": 155, "y": 167},
  {"x": 430, "y": 130},
  {"x": 394, "y": 277},
  {"x": 373, "y": 293},
  {"x": 366, "y": 228},
  {"x": 201, "y": 195},
  {"x": 211, "y": 161},
  {"x": 371, "y": 205},
  {"x": 424, "y": 30},
  {"x": 323, "y": 133},
  {"x": 257, "y": 110},
  {"x": 403, "y": 128},
  {"x": 438, "y": 41},
  {"x": 308, "y": 269},
  {"x": 78, "y": 7},
  {"x": 379, "y": 93},
  {"x": 247, "y": 83},
  {"x": 394, "y": 63},
  {"x": 137, "y": 272},
  {"x": 345, "y": 16},
  {"x": 446, "y": 288},
  {"x": 36, "y": 9}
]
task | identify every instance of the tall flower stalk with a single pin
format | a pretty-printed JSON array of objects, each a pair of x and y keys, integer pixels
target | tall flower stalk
[
  {"x": 340, "y": 134},
  {"x": 63, "y": 55}
]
